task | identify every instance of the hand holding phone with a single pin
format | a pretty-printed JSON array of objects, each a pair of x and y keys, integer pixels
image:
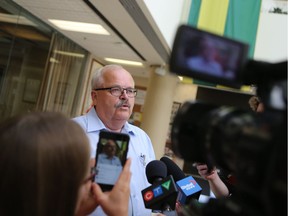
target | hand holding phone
[{"x": 110, "y": 158}]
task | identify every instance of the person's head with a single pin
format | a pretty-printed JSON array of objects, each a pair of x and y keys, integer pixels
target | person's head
[
  {"x": 208, "y": 49},
  {"x": 113, "y": 105},
  {"x": 256, "y": 104},
  {"x": 44, "y": 161},
  {"x": 110, "y": 148}
]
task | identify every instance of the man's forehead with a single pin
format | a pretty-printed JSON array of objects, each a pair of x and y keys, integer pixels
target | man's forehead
[{"x": 119, "y": 77}]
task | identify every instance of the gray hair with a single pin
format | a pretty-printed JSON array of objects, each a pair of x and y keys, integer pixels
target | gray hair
[{"x": 97, "y": 78}]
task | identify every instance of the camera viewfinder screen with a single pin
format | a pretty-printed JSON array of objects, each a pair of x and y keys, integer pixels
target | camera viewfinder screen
[{"x": 208, "y": 57}]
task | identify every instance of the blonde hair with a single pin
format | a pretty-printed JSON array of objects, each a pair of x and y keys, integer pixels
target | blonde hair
[{"x": 44, "y": 158}]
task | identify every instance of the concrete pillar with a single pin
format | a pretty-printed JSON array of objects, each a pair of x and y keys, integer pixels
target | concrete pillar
[{"x": 158, "y": 106}]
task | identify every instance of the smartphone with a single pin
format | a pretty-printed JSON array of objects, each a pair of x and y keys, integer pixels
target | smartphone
[
  {"x": 208, "y": 57},
  {"x": 111, "y": 155}
]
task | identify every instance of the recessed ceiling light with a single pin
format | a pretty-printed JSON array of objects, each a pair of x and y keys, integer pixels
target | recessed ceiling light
[
  {"x": 78, "y": 55},
  {"x": 79, "y": 27},
  {"x": 126, "y": 62},
  {"x": 53, "y": 60}
]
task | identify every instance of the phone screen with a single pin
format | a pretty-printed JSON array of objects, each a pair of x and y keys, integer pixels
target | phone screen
[{"x": 110, "y": 158}]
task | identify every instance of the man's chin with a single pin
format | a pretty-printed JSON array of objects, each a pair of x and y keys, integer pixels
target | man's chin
[{"x": 123, "y": 115}]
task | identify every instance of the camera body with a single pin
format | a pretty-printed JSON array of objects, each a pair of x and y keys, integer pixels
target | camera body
[{"x": 252, "y": 146}]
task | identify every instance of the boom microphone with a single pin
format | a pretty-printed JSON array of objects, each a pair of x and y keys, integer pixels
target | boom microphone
[
  {"x": 187, "y": 186},
  {"x": 162, "y": 194}
]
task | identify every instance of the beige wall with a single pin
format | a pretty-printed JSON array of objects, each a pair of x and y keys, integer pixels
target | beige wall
[
  {"x": 141, "y": 81},
  {"x": 185, "y": 92},
  {"x": 157, "y": 109}
]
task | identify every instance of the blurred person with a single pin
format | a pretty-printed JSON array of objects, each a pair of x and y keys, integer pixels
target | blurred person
[
  {"x": 205, "y": 60},
  {"x": 113, "y": 95},
  {"x": 39, "y": 154},
  {"x": 108, "y": 156}
]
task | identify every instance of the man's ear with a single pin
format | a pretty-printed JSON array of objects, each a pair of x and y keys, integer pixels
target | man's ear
[{"x": 94, "y": 97}]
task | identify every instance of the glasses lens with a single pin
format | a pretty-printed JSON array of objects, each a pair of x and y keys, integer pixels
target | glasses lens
[
  {"x": 91, "y": 176},
  {"x": 116, "y": 91},
  {"x": 131, "y": 92}
]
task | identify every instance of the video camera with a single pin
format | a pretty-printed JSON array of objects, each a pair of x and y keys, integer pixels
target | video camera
[{"x": 252, "y": 146}]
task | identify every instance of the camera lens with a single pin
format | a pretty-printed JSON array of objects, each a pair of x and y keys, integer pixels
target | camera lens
[
  {"x": 188, "y": 132},
  {"x": 209, "y": 134}
]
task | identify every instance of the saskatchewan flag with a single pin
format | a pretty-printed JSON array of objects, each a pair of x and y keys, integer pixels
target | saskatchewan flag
[{"x": 236, "y": 19}]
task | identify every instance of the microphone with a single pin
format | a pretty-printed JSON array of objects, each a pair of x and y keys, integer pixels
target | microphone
[
  {"x": 187, "y": 186},
  {"x": 161, "y": 196}
]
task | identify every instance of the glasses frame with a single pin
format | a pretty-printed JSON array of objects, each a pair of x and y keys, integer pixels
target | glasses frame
[
  {"x": 118, "y": 87},
  {"x": 91, "y": 176}
]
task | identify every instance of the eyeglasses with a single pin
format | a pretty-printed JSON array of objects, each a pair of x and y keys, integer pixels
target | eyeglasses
[
  {"x": 91, "y": 176},
  {"x": 117, "y": 91}
]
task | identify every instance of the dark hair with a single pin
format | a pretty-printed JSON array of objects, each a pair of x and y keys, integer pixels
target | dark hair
[{"x": 44, "y": 158}]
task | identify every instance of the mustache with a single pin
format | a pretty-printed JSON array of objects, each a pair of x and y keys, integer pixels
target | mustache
[{"x": 121, "y": 103}]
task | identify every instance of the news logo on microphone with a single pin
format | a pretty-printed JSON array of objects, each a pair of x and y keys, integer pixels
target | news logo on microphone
[
  {"x": 187, "y": 186},
  {"x": 189, "y": 189},
  {"x": 162, "y": 193}
]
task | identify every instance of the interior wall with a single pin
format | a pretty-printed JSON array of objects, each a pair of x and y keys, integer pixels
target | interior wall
[
  {"x": 169, "y": 19},
  {"x": 141, "y": 81},
  {"x": 185, "y": 92},
  {"x": 271, "y": 41}
]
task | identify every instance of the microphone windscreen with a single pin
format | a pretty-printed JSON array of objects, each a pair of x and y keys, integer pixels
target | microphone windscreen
[
  {"x": 173, "y": 169},
  {"x": 155, "y": 170}
]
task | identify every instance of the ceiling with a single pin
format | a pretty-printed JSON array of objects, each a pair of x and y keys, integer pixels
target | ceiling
[{"x": 133, "y": 33}]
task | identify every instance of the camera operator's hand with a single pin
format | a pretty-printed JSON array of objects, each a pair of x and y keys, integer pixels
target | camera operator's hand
[{"x": 216, "y": 184}]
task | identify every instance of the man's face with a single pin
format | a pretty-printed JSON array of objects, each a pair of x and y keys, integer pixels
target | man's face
[
  {"x": 208, "y": 51},
  {"x": 110, "y": 148},
  {"x": 109, "y": 107}
]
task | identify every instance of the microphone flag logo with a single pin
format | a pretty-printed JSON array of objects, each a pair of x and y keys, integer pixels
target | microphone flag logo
[
  {"x": 157, "y": 191},
  {"x": 167, "y": 184},
  {"x": 160, "y": 193},
  {"x": 148, "y": 196},
  {"x": 189, "y": 189}
]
